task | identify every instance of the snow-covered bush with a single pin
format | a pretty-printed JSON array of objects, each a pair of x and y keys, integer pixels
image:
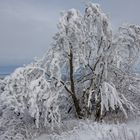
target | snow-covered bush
[
  {"x": 28, "y": 100},
  {"x": 28, "y": 90}
]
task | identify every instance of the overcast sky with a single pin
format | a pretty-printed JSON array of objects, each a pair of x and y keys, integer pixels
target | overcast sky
[{"x": 27, "y": 26}]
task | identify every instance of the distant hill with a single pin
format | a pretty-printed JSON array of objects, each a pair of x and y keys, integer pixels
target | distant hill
[
  {"x": 6, "y": 70},
  {"x": 2, "y": 76}
]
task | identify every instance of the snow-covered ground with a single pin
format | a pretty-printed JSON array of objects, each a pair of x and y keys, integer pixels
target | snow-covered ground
[{"x": 93, "y": 131}]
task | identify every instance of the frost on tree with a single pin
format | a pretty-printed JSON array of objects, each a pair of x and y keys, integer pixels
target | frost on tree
[
  {"x": 79, "y": 62},
  {"x": 127, "y": 47},
  {"x": 28, "y": 90},
  {"x": 28, "y": 100},
  {"x": 84, "y": 74},
  {"x": 126, "y": 52},
  {"x": 81, "y": 50}
]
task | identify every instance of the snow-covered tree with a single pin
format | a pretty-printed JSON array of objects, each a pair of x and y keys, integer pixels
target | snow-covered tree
[
  {"x": 84, "y": 74},
  {"x": 82, "y": 44},
  {"x": 80, "y": 60},
  {"x": 126, "y": 52},
  {"x": 127, "y": 47}
]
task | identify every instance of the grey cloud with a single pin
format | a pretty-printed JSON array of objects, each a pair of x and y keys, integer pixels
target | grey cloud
[{"x": 27, "y": 26}]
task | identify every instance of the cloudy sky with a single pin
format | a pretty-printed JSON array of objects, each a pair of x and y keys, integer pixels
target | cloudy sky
[{"x": 27, "y": 26}]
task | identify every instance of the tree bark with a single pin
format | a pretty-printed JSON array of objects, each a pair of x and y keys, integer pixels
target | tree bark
[{"x": 72, "y": 85}]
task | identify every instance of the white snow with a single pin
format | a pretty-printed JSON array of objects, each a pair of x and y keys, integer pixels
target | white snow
[{"x": 88, "y": 130}]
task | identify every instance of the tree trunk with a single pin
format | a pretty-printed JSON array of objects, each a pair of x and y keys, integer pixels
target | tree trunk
[
  {"x": 74, "y": 98},
  {"x": 98, "y": 116},
  {"x": 98, "y": 111}
]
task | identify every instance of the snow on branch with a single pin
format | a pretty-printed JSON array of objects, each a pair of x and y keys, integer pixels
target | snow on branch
[{"x": 111, "y": 99}]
